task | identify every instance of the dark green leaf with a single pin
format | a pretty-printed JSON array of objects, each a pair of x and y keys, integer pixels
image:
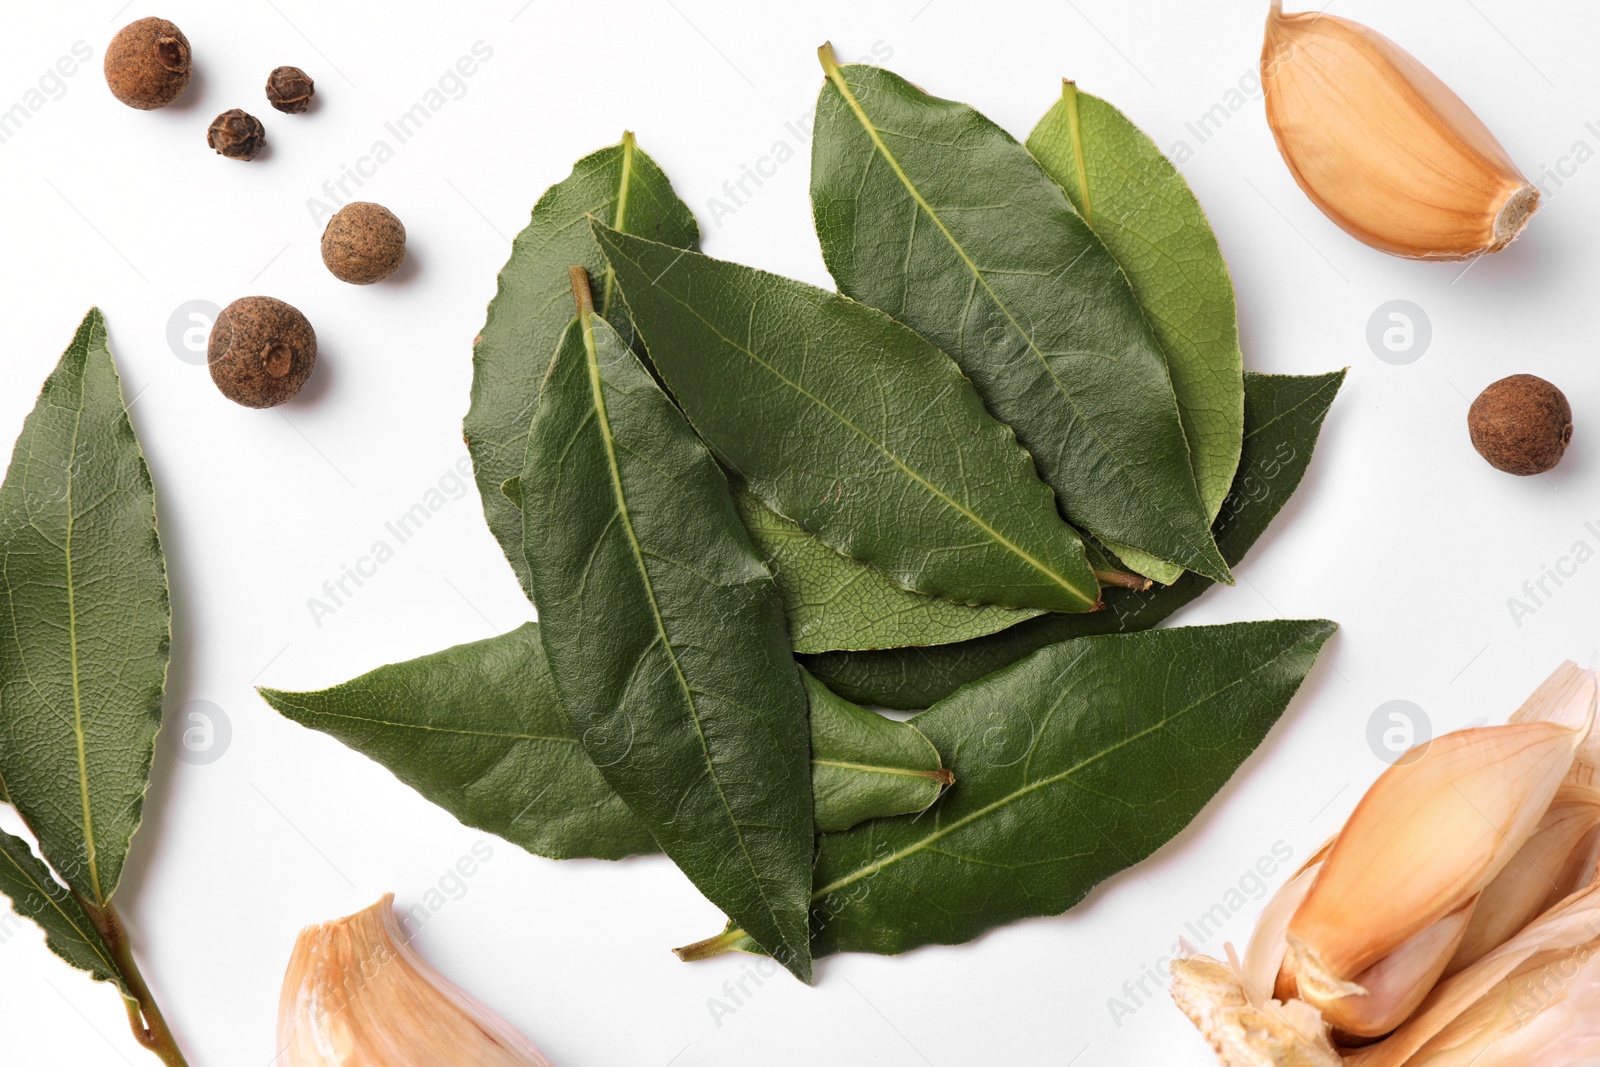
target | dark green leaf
[
  {"x": 533, "y": 305},
  {"x": 864, "y": 766},
  {"x": 1145, "y": 214},
  {"x": 68, "y": 929},
  {"x": 665, "y": 636},
  {"x": 835, "y": 602},
  {"x": 479, "y": 730},
  {"x": 1283, "y": 415},
  {"x": 928, "y": 210},
  {"x": 843, "y": 420},
  {"x": 1071, "y": 765},
  {"x": 84, "y": 620}
]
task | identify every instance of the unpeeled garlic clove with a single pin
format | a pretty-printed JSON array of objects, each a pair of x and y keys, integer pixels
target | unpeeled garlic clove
[
  {"x": 1557, "y": 860},
  {"x": 1384, "y": 995},
  {"x": 1468, "y": 1011},
  {"x": 1428, "y": 836},
  {"x": 357, "y": 995},
  {"x": 1383, "y": 147},
  {"x": 1547, "y": 1011}
]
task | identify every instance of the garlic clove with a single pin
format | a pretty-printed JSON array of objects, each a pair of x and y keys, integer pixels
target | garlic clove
[
  {"x": 1558, "y": 860},
  {"x": 357, "y": 995},
  {"x": 1383, "y": 147},
  {"x": 1426, "y": 838},
  {"x": 1244, "y": 1034},
  {"x": 1547, "y": 1011},
  {"x": 1572, "y": 924},
  {"x": 1391, "y": 989}
]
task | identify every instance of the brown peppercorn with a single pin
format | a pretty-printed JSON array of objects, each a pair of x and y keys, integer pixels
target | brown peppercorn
[
  {"x": 289, "y": 89},
  {"x": 1521, "y": 424},
  {"x": 236, "y": 134},
  {"x": 261, "y": 351},
  {"x": 364, "y": 243},
  {"x": 147, "y": 64}
]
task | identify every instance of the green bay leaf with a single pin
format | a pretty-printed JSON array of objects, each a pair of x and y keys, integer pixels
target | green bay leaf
[
  {"x": 666, "y": 638},
  {"x": 834, "y": 602},
  {"x": 848, "y": 423},
  {"x": 929, "y": 211},
  {"x": 864, "y": 766},
  {"x": 1071, "y": 765},
  {"x": 533, "y": 304},
  {"x": 479, "y": 730},
  {"x": 85, "y": 621},
  {"x": 1149, "y": 220},
  {"x": 68, "y": 928},
  {"x": 1283, "y": 416}
]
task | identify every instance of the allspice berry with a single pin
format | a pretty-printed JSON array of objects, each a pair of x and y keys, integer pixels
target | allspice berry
[
  {"x": 237, "y": 134},
  {"x": 1521, "y": 424},
  {"x": 261, "y": 351},
  {"x": 147, "y": 64},
  {"x": 289, "y": 89},
  {"x": 364, "y": 243}
]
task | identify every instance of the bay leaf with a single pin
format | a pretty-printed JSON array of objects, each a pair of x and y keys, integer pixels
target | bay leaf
[
  {"x": 929, "y": 211},
  {"x": 864, "y": 766},
  {"x": 848, "y": 423},
  {"x": 835, "y": 602},
  {"x": 85, "y": 622},
  {"x": 479, "y": 730},
  {"x": 1283, "y": 416},
  {"x": 1072, "y": 764},
  {"x": 1147, "y": 217},
  {"x": 666, "y": 637},
  {"x": 533, "y": 304},
  {"x": 69, "y": 930}
]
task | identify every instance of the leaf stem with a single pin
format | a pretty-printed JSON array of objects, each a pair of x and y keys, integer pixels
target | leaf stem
[
  {"x": 1069, "y": 94},
  {"x": 144, "y": 1015},
  {"x": 581, "y": 293},
  {"x": 711, "y": 946},
  {"x": 1122, "y": 580}
]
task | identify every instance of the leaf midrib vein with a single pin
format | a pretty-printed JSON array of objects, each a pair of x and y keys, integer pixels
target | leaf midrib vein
[
  {"x": 80, "y": 743},
  {"x": 604, "y": 424}
]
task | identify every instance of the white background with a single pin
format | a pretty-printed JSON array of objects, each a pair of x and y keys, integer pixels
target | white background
[{"x": 1400, "y": 532}]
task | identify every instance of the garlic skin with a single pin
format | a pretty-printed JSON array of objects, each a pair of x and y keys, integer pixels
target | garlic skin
[
  {"x": 357, "y": 995},
  {"x": 1383, "y": 147}
]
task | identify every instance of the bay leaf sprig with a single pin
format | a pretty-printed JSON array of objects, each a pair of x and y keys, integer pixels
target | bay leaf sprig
[
  {"x": 727, "y": 471},
  {"x": 665, "y": 635},
  {"x": 931, "y": 212},
  {"x": 85, "y": 635}
]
